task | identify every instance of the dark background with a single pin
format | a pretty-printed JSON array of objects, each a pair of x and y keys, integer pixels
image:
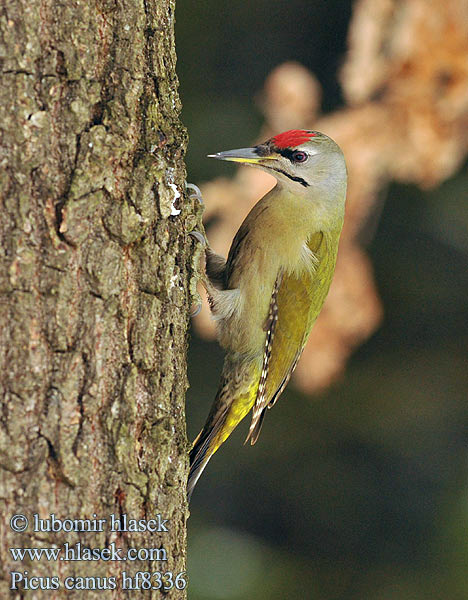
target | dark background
[{"x": 361, "y": 492}]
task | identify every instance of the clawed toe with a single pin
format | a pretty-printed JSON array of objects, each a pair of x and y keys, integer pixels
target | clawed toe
[
  {"x": 197, "y": 310},
  {"x": 196, "y": 193},
  {"x": 198, "y": 236}
]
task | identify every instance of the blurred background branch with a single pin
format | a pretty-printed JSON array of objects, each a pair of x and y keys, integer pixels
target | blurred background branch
[{"x": 405, "y": 81}]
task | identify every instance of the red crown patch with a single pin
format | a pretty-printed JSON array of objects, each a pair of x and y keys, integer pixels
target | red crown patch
[{"x": 292, "y": 138}]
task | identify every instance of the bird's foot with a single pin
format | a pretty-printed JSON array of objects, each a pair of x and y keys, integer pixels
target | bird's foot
[
  {"x": 197, "y": 232},
  {"x": 194, "y": 221},
  {"x": 196, "y": 308},
  {"x": 196, "y": 193},
  {"x": 198, "y": 235}
]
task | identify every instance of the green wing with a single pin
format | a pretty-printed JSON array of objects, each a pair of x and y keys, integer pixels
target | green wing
[{"x": 296, "y": 302}]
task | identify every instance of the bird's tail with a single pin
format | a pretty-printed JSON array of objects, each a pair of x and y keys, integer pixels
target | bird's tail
[
  {"x": 231, "y": 405},
  {"x": 203, "y": 449}
]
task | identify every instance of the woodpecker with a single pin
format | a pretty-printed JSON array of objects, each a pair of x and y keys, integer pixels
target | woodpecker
[{"x": 267, "y": 295}]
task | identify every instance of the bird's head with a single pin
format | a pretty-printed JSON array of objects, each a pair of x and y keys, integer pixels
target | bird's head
[{"x": 298, "y": 158}]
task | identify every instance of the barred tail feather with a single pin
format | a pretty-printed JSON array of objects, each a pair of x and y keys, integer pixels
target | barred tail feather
[{"x": 255, "y": 428}]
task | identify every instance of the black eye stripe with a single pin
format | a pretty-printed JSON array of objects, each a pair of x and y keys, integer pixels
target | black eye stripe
[
  {"x": 290, "y": 154},
  {"x": 286, "y": 152},
  {"x": 264, "y": 150},
  {"x": 292, "y": 177}
]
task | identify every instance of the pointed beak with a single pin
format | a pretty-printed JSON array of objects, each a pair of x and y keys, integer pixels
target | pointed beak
[{"x": 242, "y": 155}]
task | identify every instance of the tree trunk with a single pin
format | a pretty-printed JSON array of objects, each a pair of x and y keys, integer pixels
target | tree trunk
[{"x": 94, "y": 290}]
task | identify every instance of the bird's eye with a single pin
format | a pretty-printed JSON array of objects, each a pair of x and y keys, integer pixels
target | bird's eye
[{"x": 299, "y": 156}]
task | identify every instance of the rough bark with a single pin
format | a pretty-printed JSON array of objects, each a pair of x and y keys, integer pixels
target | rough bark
[{"x": 94, "y": 285}]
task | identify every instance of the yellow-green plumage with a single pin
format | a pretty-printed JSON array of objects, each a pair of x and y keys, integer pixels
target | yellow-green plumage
[
  {"x": 266, "y": 298},
  {"x": 300, "y": 299}
]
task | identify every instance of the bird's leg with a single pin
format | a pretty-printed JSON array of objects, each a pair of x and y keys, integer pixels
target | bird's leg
[
  {"x": 197, "y": 232},
  {"x": 195, "y": 220},
  {"x": 196, "y": 192}
]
